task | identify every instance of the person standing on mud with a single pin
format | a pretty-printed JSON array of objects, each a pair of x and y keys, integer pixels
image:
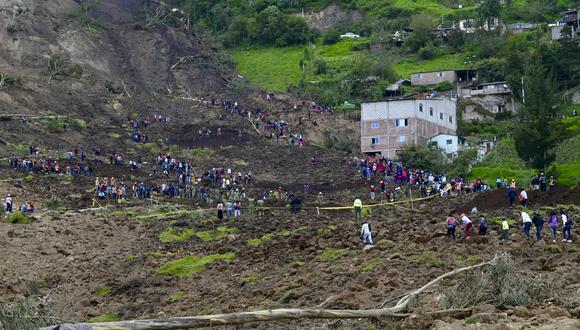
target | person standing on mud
[
  {"x": 539, "y": 223},
  {"x": 527, "y": 224},
  {"x": 505, "y": 227},
  {"x": 553, "y": 224},
  {"x": 567, "y": 231},
  {"x": 220, "y": 210},
  {"x": 482, "y": 225},
  {"x": 357, "y": 206},
  {"x": 524, "y": 197},
  {"x": 512, "y": 196},
  {"x": 9, "y": 203},
  {"x": 468, "y": 225},
  {"x": 366, "y": 235},
  {"x": 451, "y": 224}
]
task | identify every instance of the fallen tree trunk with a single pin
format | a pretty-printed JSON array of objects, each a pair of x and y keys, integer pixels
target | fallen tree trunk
[{"x": 397, "y": 311}]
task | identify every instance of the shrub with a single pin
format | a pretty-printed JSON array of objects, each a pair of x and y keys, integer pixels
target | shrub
[
  {"x": 53, "y": 203},
  {"x": 26, "y": 315},
  {"x": 444, "y": 86},
  {"x": 18, "y": 217},
  {"x": 501, "y": 285},
  {"x": 55, "y": 126}
]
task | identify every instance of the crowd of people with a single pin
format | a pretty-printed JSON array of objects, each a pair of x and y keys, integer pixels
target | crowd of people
[{"x": 550, "y": 220}]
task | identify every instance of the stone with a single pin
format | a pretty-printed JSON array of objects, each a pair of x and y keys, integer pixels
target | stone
[
  {"x": 485, "y": 308},
  {"x": 555, "y": 311},
  {"x": 521, "y": 311},
  {"x": 368, "y": 247}
]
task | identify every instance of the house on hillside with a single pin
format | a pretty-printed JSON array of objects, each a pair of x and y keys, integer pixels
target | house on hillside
[
  {"x": 394, "y": 89},
  {"x": 436, "y": 77},
  {"x": 488, "y": 99},
  {"x": 571, "y": 21},
  {"x": 517, "y": 28},
  {"x": 450, "y": 144},
  {"x": 387, "y": 126}
]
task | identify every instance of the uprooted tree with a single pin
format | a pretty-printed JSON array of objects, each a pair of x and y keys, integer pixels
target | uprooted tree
[{"x": 499, "y": 285}]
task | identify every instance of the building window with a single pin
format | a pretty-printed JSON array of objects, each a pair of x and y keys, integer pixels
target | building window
[
  {"x": 375, "y": 140},
  {"x": 441, "y": 116},
  {"x": 449, "y": 141},
  {"x": 440, "y": 74},
  {"x": 421, "y": 107},
  {"x": 374, "y": 125},
  {"x": 402, "y": 138},
  {"x": 401, "y": 122},
  {"x": 431, "y": 111},
  {"x": 450, "y": 119}
]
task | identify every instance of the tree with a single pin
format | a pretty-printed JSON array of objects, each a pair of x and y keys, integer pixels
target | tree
[
  {"x": 539, "y": 129},
  {"x": 489, "y": 10},
  {"x": 422, "y": 157},
  {"x": 423, "y": 26},
  {"x": 461, "y": 165}
]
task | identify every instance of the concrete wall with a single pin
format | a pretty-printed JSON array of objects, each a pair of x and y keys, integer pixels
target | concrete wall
[
  {"x": 433, "y": 78},
  {"x": 421, "y": 125}
]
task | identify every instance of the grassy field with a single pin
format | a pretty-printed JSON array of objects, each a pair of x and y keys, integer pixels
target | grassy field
[{"x": 270, "y": 68}]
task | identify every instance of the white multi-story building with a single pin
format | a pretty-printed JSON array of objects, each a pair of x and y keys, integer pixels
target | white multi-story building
[{"x": 387, "y": 126}]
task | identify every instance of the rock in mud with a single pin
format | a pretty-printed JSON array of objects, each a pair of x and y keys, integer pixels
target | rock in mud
[
  {"x": 485, "y": 308},
  {"x": 521, "y": 311}
]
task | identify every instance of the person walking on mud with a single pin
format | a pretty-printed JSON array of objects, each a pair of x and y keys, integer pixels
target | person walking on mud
[
  {"x": 357, "y": 206},
  {"x": 9, "y": 203},
  {"x": 512, "y": 196},
  {"x": 451, "y": 224},
  {"x": 468, "y": 225},
  {"x": 553, "y": 224},
  {"x": 567, "y": 231},
  {"x": 524, "y": 197},
  {"x": 366, "y": 235},
  {"x": 539, "y": 223},
  {"x": 220, "y": 210},
  {"x": 505, "y": 227},
  {"x": 482, "y": 225},
  {"x": 526, "y": 223}
]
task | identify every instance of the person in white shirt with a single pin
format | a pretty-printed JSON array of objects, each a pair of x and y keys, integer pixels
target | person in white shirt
[
  {"x": 524, "y": 198},
  {"x": 366, "y": 235},
  {"x": 527, "y": 223},
  {"x": 9, "y": 203},
  {"x": 567, "y": 231}
]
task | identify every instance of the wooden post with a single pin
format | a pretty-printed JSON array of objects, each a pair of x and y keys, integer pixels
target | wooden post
[
  {"x": 318, "y": 210},
  {"x": 411, "y": 196}
]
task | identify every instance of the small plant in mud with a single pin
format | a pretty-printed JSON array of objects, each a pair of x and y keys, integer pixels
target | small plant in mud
[
  {"x": 7, "y": 81},
  {"x": 103, "y": 291},
  {"x": 174, "y": 235},
  {"x": 331, "y": 254},
  {"x": 259, "y": 241},
  {"x": 428, "y": 259},
  {"x": 86, "y": 16},
  {"x": 176, "y": 296},
  {"x": 107, "y": 317},
  {"x": 370, "y": 265},
  {"x": 189, "y": 265},
  {"x": 57, "y": 68},
  {"x": 53, "y": 203}
]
